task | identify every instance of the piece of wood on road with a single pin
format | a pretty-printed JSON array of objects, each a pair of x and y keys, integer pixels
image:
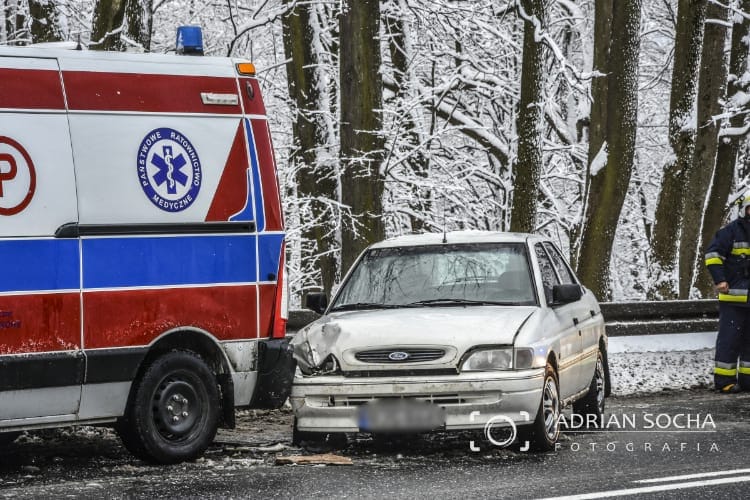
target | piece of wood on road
[{"x": 324, "y": 459}]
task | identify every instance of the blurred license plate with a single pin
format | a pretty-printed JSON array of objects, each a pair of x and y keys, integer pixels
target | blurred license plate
[{"x": 400, "y": 415}]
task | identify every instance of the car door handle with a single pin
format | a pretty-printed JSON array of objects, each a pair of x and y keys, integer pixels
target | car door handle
[{"x": 575, "y": 321}]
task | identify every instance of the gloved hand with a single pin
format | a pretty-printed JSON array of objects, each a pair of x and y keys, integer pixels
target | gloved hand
[{"x": 722, "y": 287}]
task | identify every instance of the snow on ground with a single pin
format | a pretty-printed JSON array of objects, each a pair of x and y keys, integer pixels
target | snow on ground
[{"x": 655, "y": 363}]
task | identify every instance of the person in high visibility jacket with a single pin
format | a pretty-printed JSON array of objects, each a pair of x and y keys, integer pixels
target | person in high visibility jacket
[{"x": 728, "y": 261}]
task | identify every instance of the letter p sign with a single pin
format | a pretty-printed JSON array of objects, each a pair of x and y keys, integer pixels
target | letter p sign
[
  {"x": 17, "y": 177},
  {"x": 8, "y": 170}
]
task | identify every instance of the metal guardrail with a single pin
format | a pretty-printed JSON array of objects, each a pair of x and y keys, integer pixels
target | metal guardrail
[
  {"x": 652, "y": 318},
  {"x": 621, "y": 318}
]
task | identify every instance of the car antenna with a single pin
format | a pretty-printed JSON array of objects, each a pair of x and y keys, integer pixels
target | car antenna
[{"x": 445, "y": 240}]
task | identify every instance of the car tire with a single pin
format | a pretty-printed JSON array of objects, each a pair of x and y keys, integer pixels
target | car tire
[
  {"x": 543, "y": 433},
  {"x": 7, "y": 438},
  {"x": 591, "y": 406},
  {"x": 173, "y": 413}
]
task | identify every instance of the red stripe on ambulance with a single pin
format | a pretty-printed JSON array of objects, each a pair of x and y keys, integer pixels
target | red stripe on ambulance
[
  {"x": 40, "y": 323},
  {"x": 250, "y": 90},
  {"x": 15, "y": 85},
  {"x": 268, "y": 179},
  {"x": 134, "y": 318},
  {"x": 94, "y": 91},
  {"x": 232, "y": 194}
]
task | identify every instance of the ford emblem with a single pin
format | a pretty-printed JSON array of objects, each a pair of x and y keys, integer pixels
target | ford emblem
[{"x": 398, "y": 356}]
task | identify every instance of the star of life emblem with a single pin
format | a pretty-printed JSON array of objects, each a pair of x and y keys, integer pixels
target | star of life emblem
[{"x": 169, "y": 169}]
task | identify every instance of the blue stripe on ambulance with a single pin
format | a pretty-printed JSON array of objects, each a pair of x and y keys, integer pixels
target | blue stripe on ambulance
[
  {"x": 152, "y": 261},
  {"x": 39, "y": 264},
  {"x": 269, "y": 254},
  {"x": 257, "y": 190}
]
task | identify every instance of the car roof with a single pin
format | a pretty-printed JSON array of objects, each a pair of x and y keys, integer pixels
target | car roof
[{"x": 453, "y": 237}]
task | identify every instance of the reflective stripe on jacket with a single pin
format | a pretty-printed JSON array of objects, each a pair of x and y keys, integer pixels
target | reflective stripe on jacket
[{"x": 728, "y": 259}]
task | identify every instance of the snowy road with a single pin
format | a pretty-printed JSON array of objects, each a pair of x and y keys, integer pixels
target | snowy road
[{"x": 621, "y": 460}]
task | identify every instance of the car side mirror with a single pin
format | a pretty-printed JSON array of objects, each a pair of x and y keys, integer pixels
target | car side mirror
[
  {"x": 565, "y": 294},
  {"x": 316, "y": 301}
]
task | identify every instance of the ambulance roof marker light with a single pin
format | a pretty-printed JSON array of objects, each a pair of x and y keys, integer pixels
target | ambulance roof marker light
[
  {"x": 189, "y": 40},
  {"x": 246, "y": 68}
]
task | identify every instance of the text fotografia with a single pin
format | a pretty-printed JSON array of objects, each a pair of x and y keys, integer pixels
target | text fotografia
[
  {"x": 630, "y": 446},
  {"x": 639, "y": 422}
]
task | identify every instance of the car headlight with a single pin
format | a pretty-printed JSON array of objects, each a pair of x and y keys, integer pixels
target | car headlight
[
  {"x": 489, "y": 359},
  {"x": 498, "y": 359}
]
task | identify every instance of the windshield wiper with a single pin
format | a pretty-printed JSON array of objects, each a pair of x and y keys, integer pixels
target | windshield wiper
[
  {"x": 450, "y": 302},
  {"x": 363, "y": 305}
]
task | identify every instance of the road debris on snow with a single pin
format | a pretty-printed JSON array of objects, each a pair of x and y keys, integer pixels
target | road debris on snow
[{"x": 324, "y": 459}]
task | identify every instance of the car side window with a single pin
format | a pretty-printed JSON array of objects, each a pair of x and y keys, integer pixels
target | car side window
[
  {"x": 549, "y": 278},
  {"x": 563, "y": 271}
]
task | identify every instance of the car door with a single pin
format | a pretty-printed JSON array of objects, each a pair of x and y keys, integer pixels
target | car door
[
  {"x": 585, "y": 315},
  {"x": 563, "y": 318},
  {"x": 41, "y": 362}
]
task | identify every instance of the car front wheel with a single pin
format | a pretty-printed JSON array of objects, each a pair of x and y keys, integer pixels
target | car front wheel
[
  {"x": 544, "y": 432},
  {"x": 174, "y": 412}
]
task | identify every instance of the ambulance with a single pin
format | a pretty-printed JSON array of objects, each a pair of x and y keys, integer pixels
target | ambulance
[{"x": 142, "y": 247}]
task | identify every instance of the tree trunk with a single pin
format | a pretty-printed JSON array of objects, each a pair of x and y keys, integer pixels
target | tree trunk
[
  {"x": 711, "y": 84},
  {"x": 15, "y": 22},
  {"x": 609, "y": 185},
  {"x": 668, "y": 218},
  {"x": 527, "y": 169},
  {"x": 316, "y": 178},
  {"x": 45, "y": 26},
  {"x": 399, "y": 48},
  {"x": 598, "y": 115},
  {"x": 361, "y": 123},
  {"x": 728, "y": 146},
  {"x": 117, "y": 24}
]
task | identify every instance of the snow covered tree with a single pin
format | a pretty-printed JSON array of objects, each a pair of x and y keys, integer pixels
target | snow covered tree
[
  {"x": 45, "y": 25},
  {"x": 311, "y": 159},
  {"x": 611, "y": 168},
  {"x": 527, "y": 169},
  {"x": 668, "y": 217},
  {"x": 15, "y": 22},
  {"x": 362, "y": 182},
  {"x": 729, "y": 138},
  {"x": 118, "y": 24},
  {"x": 712, "y": 81}
]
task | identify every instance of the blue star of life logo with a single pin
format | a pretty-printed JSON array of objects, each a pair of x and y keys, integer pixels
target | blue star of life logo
[{"x": 169, "y": 169}]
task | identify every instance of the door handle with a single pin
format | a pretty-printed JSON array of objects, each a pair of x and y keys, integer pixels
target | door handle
[{"x": 575, "y": 321}]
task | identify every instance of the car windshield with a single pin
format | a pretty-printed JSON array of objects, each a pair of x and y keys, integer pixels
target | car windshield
[{"x": 439, "y": 275}]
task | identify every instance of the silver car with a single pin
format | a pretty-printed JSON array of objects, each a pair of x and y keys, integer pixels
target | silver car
[{"x": 464, "y": 330}]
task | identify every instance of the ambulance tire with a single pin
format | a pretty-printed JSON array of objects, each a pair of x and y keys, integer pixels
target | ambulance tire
[{"x": 173, "y": 413}]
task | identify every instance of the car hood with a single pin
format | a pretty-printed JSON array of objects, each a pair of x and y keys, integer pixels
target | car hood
[{"x": 453, "y": 329}]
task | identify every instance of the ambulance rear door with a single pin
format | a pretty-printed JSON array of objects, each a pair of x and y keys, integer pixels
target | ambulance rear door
[{"x": 41, "y": 362}]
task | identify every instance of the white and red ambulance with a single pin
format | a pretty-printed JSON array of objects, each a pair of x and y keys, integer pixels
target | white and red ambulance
[{"x": 142, "y": 247}]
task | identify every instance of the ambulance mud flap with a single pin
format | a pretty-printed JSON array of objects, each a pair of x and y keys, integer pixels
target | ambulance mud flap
[{"x": 276, "y": 367}]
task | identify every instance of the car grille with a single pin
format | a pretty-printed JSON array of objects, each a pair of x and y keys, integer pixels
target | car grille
[
  {"x": 438, "y": 399},
  {"x": 412, "y": 355}
]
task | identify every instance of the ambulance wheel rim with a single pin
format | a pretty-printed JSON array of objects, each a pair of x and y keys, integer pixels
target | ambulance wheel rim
[{"x": 177, "y": 408}]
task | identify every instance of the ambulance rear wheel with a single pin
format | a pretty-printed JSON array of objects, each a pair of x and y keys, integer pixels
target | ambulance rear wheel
[{"x": 174, "y": 411}]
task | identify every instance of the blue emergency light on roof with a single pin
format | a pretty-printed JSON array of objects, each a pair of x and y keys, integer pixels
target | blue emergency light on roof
[{"x": 190, "y": 40}]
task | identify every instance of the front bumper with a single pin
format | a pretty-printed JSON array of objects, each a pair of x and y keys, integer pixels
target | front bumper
[{"x": 331, "y": 403}]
